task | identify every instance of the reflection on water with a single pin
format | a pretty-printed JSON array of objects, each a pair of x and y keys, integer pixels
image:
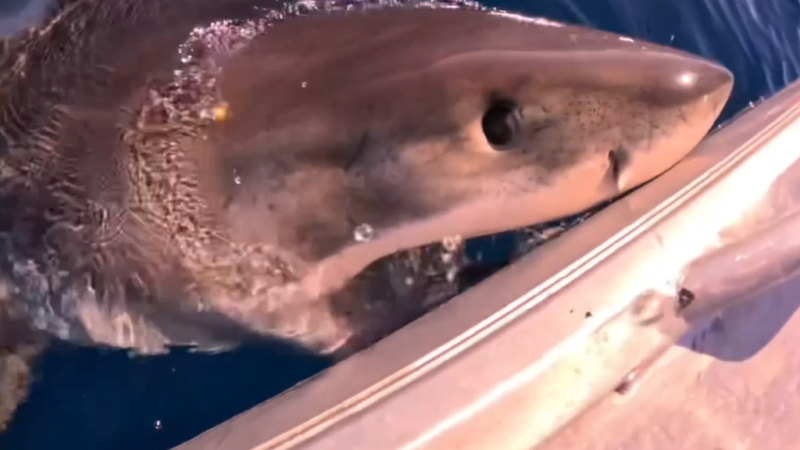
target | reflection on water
[{"x": 92, "y": 399}]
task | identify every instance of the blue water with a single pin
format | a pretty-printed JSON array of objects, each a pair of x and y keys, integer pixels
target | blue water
[{"x": 90, "y": 399}]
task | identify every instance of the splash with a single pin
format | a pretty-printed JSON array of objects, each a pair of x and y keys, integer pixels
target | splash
[
  {"x": 363, "y": 233},
  {"x": 452, "y": 243}
]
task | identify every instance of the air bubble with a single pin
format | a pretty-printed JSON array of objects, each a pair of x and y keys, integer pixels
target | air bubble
[
  {"x": 451, "y": 274},
  {"x": 363, "y": 233},
  {"x": 451, "y": 243}
]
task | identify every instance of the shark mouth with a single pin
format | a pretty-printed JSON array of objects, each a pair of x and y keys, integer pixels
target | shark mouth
[{"x": 403, "y": 286}]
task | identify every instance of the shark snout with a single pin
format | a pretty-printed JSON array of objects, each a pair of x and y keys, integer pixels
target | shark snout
[
  {"x": 676, "y": 79},
  {"x": 705, "y": 78},
  {"x": 684, "y": 100}
]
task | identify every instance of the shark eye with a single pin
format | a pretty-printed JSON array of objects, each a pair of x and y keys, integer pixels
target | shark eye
[{"x": 501, "y": 123}]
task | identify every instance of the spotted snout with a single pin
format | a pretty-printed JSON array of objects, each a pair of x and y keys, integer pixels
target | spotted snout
[
  {"x": 631, "y": 117},
  {"x": 681, "y": 103},
  {"x": 551, "y": 134}
]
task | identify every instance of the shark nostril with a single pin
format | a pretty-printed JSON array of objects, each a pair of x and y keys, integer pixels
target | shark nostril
[
  {"x": 617, "y": 161},
  {"x": 501, "y": 123}
]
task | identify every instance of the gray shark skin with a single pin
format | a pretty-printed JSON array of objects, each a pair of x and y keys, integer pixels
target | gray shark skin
[{"x": 166, "y": 180}]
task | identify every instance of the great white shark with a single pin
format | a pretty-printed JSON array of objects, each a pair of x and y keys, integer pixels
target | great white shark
[{"x": 192, "y": 172}]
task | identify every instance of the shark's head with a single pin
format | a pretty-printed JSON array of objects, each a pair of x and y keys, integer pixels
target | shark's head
[
  {"x": 446, "y": 122},
  {"x": 336, "y": 139},
  {"x": 416, "y": 124}
]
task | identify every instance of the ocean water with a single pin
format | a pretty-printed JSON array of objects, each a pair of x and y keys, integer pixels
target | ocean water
[{"x": 93, "y": 399}]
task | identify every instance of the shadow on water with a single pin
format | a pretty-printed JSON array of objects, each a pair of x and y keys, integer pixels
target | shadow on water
[{"x": 96, "y": 399}]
